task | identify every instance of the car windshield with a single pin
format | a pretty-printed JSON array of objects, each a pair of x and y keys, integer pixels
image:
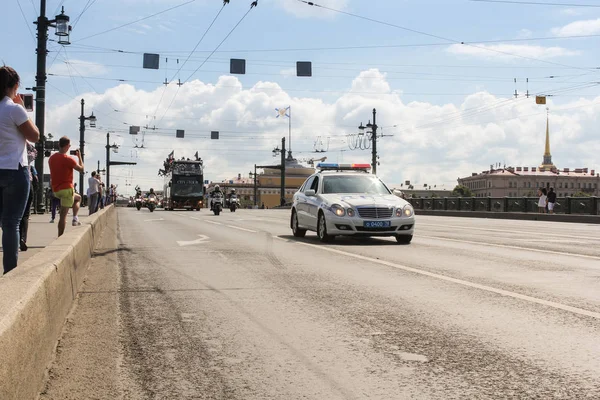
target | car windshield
[{"x": 353, "y": 184}]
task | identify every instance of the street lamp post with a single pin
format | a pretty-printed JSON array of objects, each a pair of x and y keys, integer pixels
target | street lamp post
[
  {"x": 63, "y": 29},
  {"x": 373, "y": 127},
  {"x": 255, "y": 186},
  {"x": 82, "y": 119}
]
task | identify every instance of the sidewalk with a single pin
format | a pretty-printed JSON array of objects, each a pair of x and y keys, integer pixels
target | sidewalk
[{"x": 42, "y": 232}]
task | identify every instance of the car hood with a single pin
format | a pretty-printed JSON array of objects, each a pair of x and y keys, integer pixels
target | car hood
[{"x": 365, "y": 200}]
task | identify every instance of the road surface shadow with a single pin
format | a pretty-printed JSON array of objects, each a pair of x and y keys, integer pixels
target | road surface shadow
[{"x": 344, "y": 241}]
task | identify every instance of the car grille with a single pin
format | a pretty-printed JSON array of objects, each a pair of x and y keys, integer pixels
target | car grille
[{"x": 375, "y": 212}]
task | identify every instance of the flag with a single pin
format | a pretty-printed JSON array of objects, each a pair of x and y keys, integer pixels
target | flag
[
  {"x": 196, "y": 155},
  {"x": 171, "y": 154},
  {"x": 283, "y": 112}
]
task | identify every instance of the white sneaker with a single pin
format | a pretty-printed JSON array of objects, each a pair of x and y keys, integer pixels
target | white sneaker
[
  {"x": 52, "y": 221},
  {"x": 76, "y": 222}
]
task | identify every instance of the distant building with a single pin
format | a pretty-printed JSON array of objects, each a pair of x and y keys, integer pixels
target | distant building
[
  {"x": 268, "y": 185},
  {"x": 524, "y": 181}
]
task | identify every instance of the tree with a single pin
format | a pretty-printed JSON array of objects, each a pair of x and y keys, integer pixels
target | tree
[
  {"x": 462, "y": 191},
  {"x": 582, "y": 194}
]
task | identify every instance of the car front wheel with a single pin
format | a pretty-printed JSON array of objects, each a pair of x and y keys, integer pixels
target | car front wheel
[
  {"x": 404, "y": 239},
  {"x": 322, "y": 230}
]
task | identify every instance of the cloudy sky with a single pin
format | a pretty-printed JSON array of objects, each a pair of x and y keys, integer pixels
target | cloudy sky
[{"x": 441, "y": 74}]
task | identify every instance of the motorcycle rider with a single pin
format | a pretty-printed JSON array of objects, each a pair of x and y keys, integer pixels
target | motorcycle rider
[
  {"x": 216, "y": 190},
  {"x": 229, "y": 195},
  {"x": 150, "y": 193}
]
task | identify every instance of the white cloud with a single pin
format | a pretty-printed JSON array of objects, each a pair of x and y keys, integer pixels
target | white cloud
[
  {"x": 432, "y": 143},
  {"x": 76, "y": 67},
  {"x": 303, "y": 10},
  {"x": 509, "y": 51},
  {"x": 583, "y": 27}
]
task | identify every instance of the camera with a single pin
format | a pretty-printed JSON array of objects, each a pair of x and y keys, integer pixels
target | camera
[{"x": 73, "y": 152}]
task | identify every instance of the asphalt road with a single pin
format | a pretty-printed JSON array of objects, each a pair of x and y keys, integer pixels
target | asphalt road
[{"x": 187, "y": 305}]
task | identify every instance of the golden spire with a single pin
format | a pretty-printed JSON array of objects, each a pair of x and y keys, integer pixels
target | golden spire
[
  {"x": 547, "y": 152},
  {"x": 547, "y": 164}
]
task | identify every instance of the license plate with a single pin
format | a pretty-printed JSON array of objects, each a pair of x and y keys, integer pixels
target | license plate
[{"x": 377, "y": 224}]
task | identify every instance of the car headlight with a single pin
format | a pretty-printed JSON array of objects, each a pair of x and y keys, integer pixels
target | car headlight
[
  {"x": 408, "y": 211},
  {"x": 350, "y": 212},
  {"x": 338, "y": 210}
]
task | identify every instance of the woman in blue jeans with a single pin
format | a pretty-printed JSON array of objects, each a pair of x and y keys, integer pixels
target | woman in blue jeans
[{"x": 15, "y": 130}]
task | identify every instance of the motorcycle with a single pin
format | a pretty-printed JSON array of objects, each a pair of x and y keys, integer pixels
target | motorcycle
[
  {"x": 151, "y": 203},
  {"x": 234, "y": 203},
  {"x": 216, "y": 205},
  {"x": 138, "y": 203}
]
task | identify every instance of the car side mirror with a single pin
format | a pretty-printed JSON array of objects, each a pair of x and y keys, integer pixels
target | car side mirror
[{"x": 310, "y": 193}]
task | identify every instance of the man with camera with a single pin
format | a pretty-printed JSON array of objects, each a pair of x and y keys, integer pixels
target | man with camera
[{"x": 61, "y": 176}]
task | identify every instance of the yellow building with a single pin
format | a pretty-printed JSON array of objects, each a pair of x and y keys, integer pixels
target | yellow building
[{"x": 268, "y": 185}]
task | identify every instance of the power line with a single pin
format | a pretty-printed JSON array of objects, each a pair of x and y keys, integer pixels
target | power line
[
  {"x": 289, "y": 49},
  {"x": 310, "y": 3},
  {"x": 26, "y": 21},
  {"x": 452, "y": 77},
  {"x": 204, "y": 62},
  {"x": 180, "y": 68},
  {"x": 537, "y": 3},
  {"x": 82, "y": 12},
  {"x": 200, "y": 41},
  {"x": 136, "y": 21},
  {"x": 34, "y": 8},
  {"x": 220, "y": 44}
]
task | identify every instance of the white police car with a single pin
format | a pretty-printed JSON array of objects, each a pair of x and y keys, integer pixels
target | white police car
[{"x": 345, "y": 199}]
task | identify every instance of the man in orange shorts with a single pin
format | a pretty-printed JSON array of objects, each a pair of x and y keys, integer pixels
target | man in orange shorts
[{"x": 61, "y": 176}]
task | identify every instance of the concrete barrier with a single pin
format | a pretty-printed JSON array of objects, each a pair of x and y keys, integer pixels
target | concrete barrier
[{"x": 35, "y": 299}]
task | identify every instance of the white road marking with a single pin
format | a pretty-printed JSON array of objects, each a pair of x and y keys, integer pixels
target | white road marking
[
  {"x": 501, "y": 292},
  {"x": 506, "y": 246},
  {"x": 241, "y": 229},
  {"x": 209, "y": 222},
  {"x": 152, "y": 220},
  {"x": 203, "y": 239},
  {"x": 507, "y": 231}
]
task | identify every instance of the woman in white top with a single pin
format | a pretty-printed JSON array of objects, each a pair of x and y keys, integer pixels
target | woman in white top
[
  {"x": 15, "y": 129},
  {"x": 543, "y": 200}
]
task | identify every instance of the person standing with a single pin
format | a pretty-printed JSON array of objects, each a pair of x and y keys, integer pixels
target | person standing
[
  {"x": 15, "y": 130},
  {"x": 543, "y": 199},
  {"x": 93, "y": 193},
  {"x": 551, "y": 200},
  {"x": 54, "y": 203},
  {"x": 61, "y": 175},
  {"x": 24, "y": 225}
]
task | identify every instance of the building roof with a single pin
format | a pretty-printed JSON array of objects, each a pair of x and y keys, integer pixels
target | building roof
[
  {"x": 547, "y": 169},
  {"x": 534, "y": 171}
]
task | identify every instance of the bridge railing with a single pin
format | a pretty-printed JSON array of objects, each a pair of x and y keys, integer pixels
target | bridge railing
[{"x": 563, "y": 205}]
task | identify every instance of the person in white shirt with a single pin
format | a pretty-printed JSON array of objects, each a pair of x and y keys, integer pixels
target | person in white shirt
[
  {"x": 93, "y": 193},
  {"x": 15, "y": 130},
  {"x": 543, "y": 200}
]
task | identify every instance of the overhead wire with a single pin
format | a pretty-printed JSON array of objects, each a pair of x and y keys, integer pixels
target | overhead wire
[
  {"x": 204, "y": 62},
  {"x": 290, "y": 49},
  {"x": 136, "y": 21},
  {"x": 310, "y": 3},
  {"x": 25, "y": 19},
  {"x": 451, "y": 77},
  {"x": 85, "y": 8},
  {"x": 181, "y": 67}
]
